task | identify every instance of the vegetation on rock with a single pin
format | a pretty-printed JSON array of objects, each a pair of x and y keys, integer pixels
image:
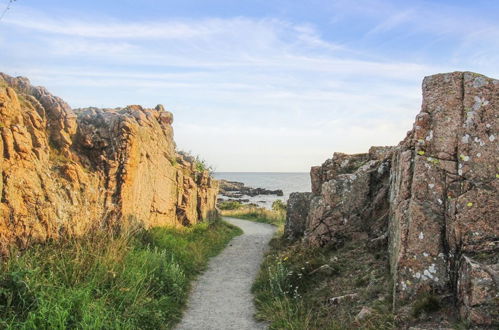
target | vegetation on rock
[{"x": 297, "y": 286}]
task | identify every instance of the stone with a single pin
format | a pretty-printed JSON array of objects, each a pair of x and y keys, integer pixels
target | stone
[
  {"x": 339, "y": 299},
  {"x": 353, "y": 198},
  {"x": 364, "y": 313},
  {"x": 444, "y": 186},
  {"x": 238, "y": 189},
  {"x": 296, "y": 215},
  {"x": 477, "y": 285},
  {"x": 432, "y": 198},
  {"x": 66, "y": 172}
]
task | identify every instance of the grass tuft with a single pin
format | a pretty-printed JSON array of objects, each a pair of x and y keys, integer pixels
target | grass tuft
[
  {"x": 133, "y": 280},
  {"x": 296, "y": 283},
  {"x": 254, "y": 213}
]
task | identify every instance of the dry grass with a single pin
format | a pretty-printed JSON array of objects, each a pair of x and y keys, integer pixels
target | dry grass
[
  {"x": 296, "y": 283},
  {"x": 257, "y": 214}
]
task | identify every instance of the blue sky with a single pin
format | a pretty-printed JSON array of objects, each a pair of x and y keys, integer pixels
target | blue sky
[{"x": 254, "y": 85}]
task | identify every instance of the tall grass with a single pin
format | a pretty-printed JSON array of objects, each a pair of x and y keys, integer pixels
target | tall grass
[
  {"x": 139, "y": 279},
  {"x": 258, "y": 214},
  {"x": 296, "y": 282}
]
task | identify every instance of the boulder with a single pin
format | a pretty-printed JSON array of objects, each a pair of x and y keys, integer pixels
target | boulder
[{"x": 296, "y": 215}]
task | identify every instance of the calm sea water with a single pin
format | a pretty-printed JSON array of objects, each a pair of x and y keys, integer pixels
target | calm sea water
[{"x": 287, "y": 182}]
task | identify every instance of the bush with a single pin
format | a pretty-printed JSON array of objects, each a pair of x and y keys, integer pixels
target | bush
[
  {"x": 229, "y": 205},
  {"x": 279, "y": 206}
]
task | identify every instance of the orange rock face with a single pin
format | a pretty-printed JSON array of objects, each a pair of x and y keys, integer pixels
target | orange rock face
[{"x": 65, "y": 172}]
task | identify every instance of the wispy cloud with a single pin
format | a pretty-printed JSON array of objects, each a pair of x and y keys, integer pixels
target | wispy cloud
[{"x": 280, "y": 88}]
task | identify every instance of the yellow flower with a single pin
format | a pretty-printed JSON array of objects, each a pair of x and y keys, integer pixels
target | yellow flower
[{"x": 470, "y": 204}]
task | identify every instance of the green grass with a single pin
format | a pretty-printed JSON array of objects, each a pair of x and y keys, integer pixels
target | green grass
[
  {"x": 296, "y": 282},
  {"x": 132, "y": 280},
  {"x": 257, "y": 214}
]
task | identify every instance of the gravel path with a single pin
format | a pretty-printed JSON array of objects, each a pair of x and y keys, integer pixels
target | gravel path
[{"x": 221, "y": 297}]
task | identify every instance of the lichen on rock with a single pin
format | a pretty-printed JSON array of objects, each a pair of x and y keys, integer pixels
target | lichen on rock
[{"x": 434, "y": 196}]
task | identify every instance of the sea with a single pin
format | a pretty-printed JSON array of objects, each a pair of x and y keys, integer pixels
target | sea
[{"x": 287, "y": 182}]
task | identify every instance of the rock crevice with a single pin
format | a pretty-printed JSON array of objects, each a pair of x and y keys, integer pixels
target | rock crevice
[
  {"x": 434, "y": 195},
  {"x": 67, "y": 172}
]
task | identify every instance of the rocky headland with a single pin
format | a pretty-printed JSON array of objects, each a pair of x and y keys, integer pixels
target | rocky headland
[
  {"x": 236, "y": 191},
  {"x": 66, "y": 172},
  {"x": 430, "y": 203}
]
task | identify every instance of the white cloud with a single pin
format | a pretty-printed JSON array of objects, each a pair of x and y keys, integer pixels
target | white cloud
[{"x": 247, "y": 94}]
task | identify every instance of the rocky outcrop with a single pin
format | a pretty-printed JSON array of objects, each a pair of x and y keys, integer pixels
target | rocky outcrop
[
  {"x": 433, "y": 197},
  {"x": 66, "y": 172},
  {"x": 298, "y": 206},
  {"x": 444, "y": 188},
  {"x": 234, "y": 189},
  {"x": 350, "y": 197}
]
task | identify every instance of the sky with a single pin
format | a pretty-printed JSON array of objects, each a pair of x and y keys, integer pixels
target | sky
[{"x": 260, "y": 85}]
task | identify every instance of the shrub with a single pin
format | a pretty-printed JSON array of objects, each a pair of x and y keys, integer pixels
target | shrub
[
  {"x": 279, "y": 206},
  {"x": 229, "y": 205}
]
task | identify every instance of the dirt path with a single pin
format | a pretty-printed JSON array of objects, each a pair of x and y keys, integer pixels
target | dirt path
[{"x": 221, "y": 297}]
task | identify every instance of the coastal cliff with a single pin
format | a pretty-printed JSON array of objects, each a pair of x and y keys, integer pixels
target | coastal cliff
[
  {"x": 430, "y": 203},
  {"x": 66, "y": 172}
]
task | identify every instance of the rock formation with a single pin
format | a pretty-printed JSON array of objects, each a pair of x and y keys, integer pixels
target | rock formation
[
  {"x": 431, "y": 202},
  {"x": 66, "y": 172},
  {"x": 298, "y": 206},
  {"x": 234, "y": 189}
]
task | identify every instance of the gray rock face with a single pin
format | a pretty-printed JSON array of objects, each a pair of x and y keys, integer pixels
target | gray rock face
[
  {"x": 434, "y": 196},
  {"x": 352, "y": 198},
  {"x": 296, "y": 216}
]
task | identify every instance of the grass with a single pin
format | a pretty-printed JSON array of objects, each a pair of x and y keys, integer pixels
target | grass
[
  {"x": 296, "y": 282},
  {"x": 276, "y": 216},
  {"x": 139, "y": 279}
]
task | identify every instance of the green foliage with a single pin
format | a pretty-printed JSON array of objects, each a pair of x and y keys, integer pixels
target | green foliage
[
  {"x": 279, "y": 206},
  {"x": 136, "y": 280},
  {"x": 257, "y": 214},
  {"x": 229, "y": 205},
  {"x": 201, "y": 165},
  {"x": 296, "y": 282}
]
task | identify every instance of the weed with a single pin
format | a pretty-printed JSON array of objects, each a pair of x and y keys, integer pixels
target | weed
[{"x": 297, "y": 281}]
